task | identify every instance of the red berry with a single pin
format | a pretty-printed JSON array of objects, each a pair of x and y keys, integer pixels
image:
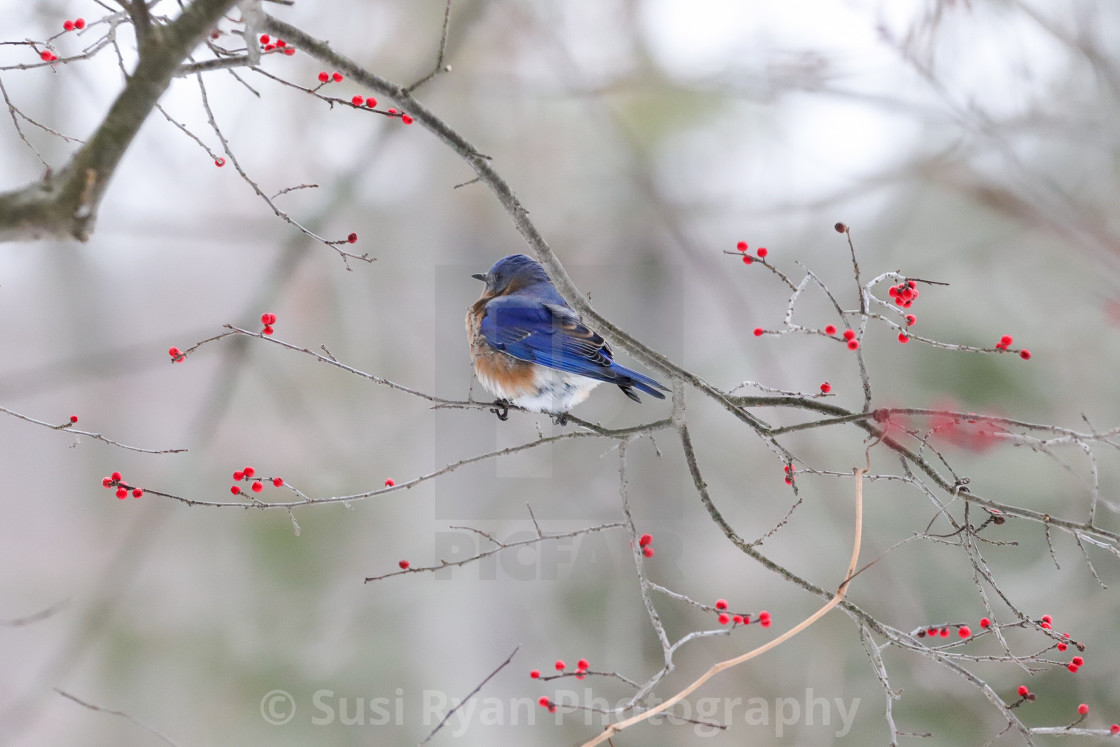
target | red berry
[
  {"x": 910, "y": 320},
  {"x": 826, "y": 388},
  {"x": 281, "y": 43},
  {"x": 1047, "y": 619},
  {"x": 389, "y": 483},
  {"x": 235, "y": 490},
  {"x": 265, "y": 39},
  {"x": 737, "y": 619},
  {"x": 1062, "y": 647},
  {"x": 269, "y": 47},
  {"x": 404, "y": 565},
  {"x": 1077, "y": 660},
  {"x": 73, "y": 418},
  {"x": 741, "y": 246},
  {"x": 903, "y": 338},
  {"x": 391, "y": 111},
  {"x": 336, "y": 77},
  {"x": 79, "y": 23},
  {"x": 249, "y": 471},
  {"x": 853, "y": 344},
  {"x": 849, "y": 334},
  {"x": 122, "y": 493},
  {"x": 944, "y": 633},
  {"x": 724, "y": 618},
  {"x": 559, "y": 665},
  {"x": 47, "y": 56},
  {"x": 352, "y": 238},
  {"x": 257, "y": 486},
  {"x": 545, "y": 703},
  {"x": 238, "y": 476},
  {"x": 1083, "y": 709},
  {"x": 357, "y": 100},
  {"x": 1025, "y": 354},
  {"x": 535, "y": 674},
  {"x": 747, "y": 259},
  {"x": 830, "y": 329},
  {"x": 68, "y": 26},
  {"x": 762, "y": 252},
  {"x": 892, "y": 291},
  {"x": 985, "y": 622},
  {"x": 371, "y": 102},
  {"x": 137, "y": 492},
  {"x": 277, "y": 481},
  {"x": 324, "y": 76},
  {"x": 746, "y": 619},
  {"x": 583, "y": 665},
  {"x": 268, "y": 319},
  {"x": 174, "y": 352},
  {"x": 1114, "y": 729},
  {"x": 1044, "y": 625},
  {"x": 1023, "y": 691},
  {"x": 721, "y": 604},
  {"x": 759, "y": 331},
  {"x": 116, "y": 476},
  {"x": 106, "y": 482},
  {"x": 648, "y": 551},
  {"x": 219, "y": 162},
  {"x": 1072, "y": 668},
  {"x": 405, "y": 118},
  {"x": 764, "y": 622},
  {"x": 1005, "y": 341},
  {"x": 267, "y": 330},
  {"x": 964, "y": 631},
  {"x": 289, "y": 51},
  {"x": 645, "y": 539}
]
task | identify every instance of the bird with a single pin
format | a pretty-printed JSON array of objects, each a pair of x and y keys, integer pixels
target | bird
[{"x": 530, "y": 349}]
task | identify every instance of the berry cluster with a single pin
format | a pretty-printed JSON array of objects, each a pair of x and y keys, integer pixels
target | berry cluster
[
  {"x": 789, "y": 468},
  {"x": 256, "y": 484},
  {"x": 268, "y": 320},
  {"x": 904, "y": 294},
  {"x": 279, "y": 45},
  {"x": 123, "y": 489},
  {"x": 1005, "y": 344},
  {"x": 582, "y": 666},
  {"x": 646, "y": 543},
  {"x": 77, "y": 23},
  {"x": 748, "y": 259},
  {"x": 725, "y": 617}
]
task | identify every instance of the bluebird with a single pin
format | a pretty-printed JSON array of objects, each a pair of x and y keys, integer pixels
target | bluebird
[{"x": 530, "y": 349}]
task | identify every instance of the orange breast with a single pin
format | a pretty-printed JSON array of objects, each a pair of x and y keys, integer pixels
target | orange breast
[{"x": 503, "y": 375}]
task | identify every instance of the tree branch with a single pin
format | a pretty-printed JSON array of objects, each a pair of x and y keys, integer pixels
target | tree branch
[{"x": 65, "y": 204}]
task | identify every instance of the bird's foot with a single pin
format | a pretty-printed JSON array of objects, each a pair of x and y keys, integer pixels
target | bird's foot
[
  {"x": 560, "y": 418},
  {"x": 501, "y": 409}
]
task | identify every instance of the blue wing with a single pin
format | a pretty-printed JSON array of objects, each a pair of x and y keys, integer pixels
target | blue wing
[{"x": 552, "y": 335}]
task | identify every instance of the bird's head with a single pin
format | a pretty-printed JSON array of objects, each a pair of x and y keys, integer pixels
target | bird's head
[{"x": 510, "y": 274}]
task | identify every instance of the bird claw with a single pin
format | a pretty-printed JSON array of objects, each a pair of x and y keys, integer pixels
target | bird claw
[
  {"x": 560, "y": 418},
  {"x": 501, "y": 409}
]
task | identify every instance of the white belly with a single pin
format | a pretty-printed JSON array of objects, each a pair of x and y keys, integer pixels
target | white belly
[{"x": 557, "y": 391}]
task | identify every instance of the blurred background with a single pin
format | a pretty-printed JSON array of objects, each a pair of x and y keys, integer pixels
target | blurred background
[{"x": 973, "y": 143}]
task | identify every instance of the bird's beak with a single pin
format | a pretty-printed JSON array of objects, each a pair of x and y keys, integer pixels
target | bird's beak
[{"x": 479, "y": 276}]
